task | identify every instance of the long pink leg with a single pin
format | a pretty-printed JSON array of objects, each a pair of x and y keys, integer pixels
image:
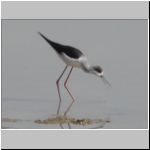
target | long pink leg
[
  {"x": 57, "y": 82},
  {"x": 66, "y": 83},
  {"x": 68, "y": 108}
]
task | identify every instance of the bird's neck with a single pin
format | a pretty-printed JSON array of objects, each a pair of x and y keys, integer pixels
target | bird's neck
[{"x": 87, "y": 68}]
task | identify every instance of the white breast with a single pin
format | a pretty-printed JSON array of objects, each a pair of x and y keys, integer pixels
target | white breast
[{"x": 70, "y": 61}]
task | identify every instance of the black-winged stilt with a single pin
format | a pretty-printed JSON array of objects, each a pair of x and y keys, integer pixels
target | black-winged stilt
[{"x": 75, "y": 58}]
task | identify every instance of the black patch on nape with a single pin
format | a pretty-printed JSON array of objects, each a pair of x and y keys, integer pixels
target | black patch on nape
[
  {"x": 68, "y": 50},
  {"x": 98, "y": 69}
]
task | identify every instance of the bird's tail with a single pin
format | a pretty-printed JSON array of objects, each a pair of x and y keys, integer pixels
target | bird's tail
[
  {"x": 55, "y": 45},
  {"x": 50, "y": 42}
]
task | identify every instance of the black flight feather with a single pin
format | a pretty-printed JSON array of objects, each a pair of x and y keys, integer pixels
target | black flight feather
[{"x": 68, "y": 50}]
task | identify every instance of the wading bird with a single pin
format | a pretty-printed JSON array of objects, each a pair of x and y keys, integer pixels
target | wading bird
[{"x": 75, "y": 58}]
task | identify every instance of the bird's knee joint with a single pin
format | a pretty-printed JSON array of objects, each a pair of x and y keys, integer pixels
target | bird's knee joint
[{"x": 65, "y": 84}]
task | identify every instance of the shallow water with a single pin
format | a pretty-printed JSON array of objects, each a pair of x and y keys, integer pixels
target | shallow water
[{"x": 30, "y": 68}]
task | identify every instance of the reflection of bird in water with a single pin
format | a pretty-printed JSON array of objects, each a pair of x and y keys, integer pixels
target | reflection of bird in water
[{"x": 74, "y": 58}]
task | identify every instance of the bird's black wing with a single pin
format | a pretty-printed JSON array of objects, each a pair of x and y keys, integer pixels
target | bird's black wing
[{"x": 68, "y": 50}]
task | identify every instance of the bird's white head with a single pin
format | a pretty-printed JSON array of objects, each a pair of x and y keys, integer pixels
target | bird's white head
[{"x": 98, "y": 71}]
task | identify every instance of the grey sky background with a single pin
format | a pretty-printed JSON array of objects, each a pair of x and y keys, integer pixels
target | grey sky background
[{"x": 30, "y": 67}]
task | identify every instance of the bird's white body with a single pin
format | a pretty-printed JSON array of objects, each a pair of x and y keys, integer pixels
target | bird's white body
[
  {"x": 81, "y": 62},
  {"x": 74, "y": 62}
]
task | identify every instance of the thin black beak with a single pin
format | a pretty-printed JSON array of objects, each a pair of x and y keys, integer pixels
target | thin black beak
[{"x": 105, "y": 81}]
